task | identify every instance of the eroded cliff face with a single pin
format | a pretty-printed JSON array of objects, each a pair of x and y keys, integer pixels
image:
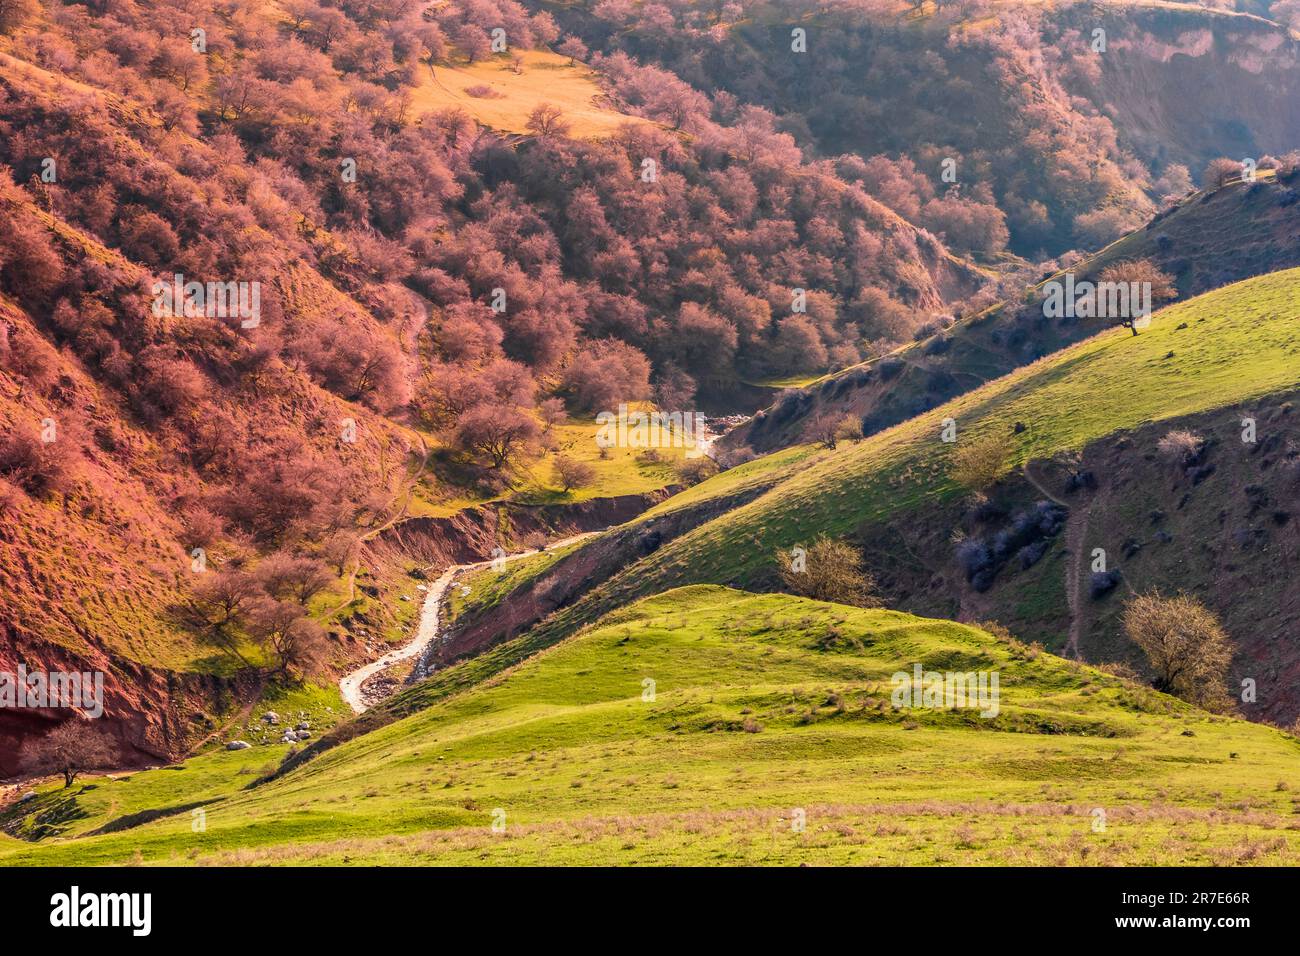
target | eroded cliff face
[
  {"x": 150, "y": 714},
  {"x": 472, "y": 534},
  {"x": 1186, "y": 86}
]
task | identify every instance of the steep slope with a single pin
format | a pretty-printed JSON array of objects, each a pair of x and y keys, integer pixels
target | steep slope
[
  {"x": 97, "y": 529},
  {"x": 712, "y": 726},
  {"x": 1233, "y": 350},
  {"x": 1060, "y": 123},
  {"x": 132, "y": 151},
  {"x": 1184, "y": 85},
  {"x": 1208, "y": 240}
]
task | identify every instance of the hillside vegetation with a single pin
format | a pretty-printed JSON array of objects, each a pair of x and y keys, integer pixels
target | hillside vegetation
[
  {"x": 768, "y": 737},
  {"x": 1207, "y": 240},
  {"x": 1224, "y": 350},
  {"x": 1218, "y": 349},
  {"x": 442, "y": 272},
  {"x": 1053, "y": 143}
]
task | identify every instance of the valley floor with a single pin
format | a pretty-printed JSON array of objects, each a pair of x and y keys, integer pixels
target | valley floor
[{"x": 709, "y": 726}]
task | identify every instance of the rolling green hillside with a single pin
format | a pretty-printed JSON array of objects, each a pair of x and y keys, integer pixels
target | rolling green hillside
[
  {"x": 1225, "y": 350},
  {"x": 1209, "y": 240},
  {"x": 766, "y": 710}
]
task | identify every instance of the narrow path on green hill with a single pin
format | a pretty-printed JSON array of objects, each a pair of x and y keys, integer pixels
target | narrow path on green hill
[{"x": 1075, "y": 527}]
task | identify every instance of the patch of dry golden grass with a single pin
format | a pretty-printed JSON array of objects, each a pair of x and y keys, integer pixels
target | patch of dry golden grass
[{"x": 544, "y": 77}]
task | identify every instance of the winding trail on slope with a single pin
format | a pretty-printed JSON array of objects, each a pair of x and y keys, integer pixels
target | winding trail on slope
[
  {"x": 355, "y": 564},
  {"x": 352, "y": 684},
  {"x": 1075, "y": 527}
]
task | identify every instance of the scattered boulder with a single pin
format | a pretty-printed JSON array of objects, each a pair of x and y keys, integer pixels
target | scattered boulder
[
  {"x": 238, "y": 745},
  {"x": 271, "y": 717},
  {"x": 1103, "y": 582}
]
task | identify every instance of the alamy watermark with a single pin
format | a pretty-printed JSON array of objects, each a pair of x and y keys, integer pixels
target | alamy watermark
[
  {"x": 38, "y": 690},
  {"x": 1127, "y": 301},
  {"x": 133, "y": 911},
  {"x": 947, "y": 690},
  {"x": 211, "y": 300}
]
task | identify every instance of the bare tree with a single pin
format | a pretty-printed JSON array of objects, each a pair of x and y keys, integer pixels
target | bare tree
[
  {"x": 70, "y": 749},
  {"x": 499, "y": 435},
  {"x": 340, "y": 548},
  {"x": 285, "y": 575},
  {"x": 220, "y": 595},
  {"x": 1137, "y": 272},
  {"x": 849, "y": 428},
  {"x": 979, "y": 463},
  {"x": 1219, "y": 171},
  {"x": 574, "y": 49},
  {"x": 573, "y": 473},
  {"x": 825, "y": 429},
  {"x": 547, "y": 120},
  {"x": 297, "y": 643}
]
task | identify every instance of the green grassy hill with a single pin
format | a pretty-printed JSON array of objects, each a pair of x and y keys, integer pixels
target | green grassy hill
[
  {"x": 1220, "y": 349},
  {"x": 766, "y": 710},
  {"x": 1211, "y": 239},
  {"x": 1236, "y": 350}
]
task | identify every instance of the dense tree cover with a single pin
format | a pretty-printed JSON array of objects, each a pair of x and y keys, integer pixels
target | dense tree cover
[
  {"x": 412, "y": 265},
  {"x": 687, "y": 250},
  {"x": 1007, "y": 95}
]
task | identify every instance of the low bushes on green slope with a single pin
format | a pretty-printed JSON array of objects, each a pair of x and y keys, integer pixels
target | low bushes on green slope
[
  {"x": 1220, "y": 349},
  {"x": 767, "y": 736}
]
